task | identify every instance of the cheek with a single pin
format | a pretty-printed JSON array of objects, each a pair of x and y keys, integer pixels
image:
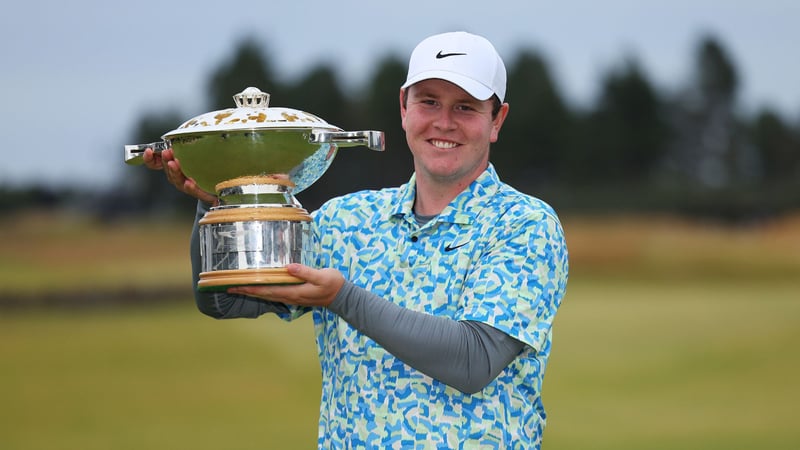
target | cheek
[{"x": 411, "y": 124}]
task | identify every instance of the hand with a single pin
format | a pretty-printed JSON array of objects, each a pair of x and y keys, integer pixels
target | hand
[
  {"x": 167, "y": 162},
  {"x": 319, "y": 289}
]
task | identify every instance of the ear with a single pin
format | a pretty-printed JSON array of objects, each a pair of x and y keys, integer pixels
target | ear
[
  {"x": 403, "y": 108},
  {"x": 497, "y": 122}
]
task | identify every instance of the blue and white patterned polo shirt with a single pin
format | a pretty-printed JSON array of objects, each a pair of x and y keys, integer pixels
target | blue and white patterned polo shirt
[{"x": 494, "y": 255}]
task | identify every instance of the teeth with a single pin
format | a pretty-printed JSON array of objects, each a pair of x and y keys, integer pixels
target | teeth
[{"x": 443, "y": 144}]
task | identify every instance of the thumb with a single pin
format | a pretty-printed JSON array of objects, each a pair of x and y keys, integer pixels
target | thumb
[
  {"x": 327, "y": 278},
  {"x": 300, "y": 271}
]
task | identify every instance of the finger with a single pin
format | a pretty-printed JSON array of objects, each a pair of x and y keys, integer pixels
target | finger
[
  {"x": 174, "y": 174},
  {"x": 175, "y": 171},
  {"x": 264, "y": 292},
  {"x": 151, "y": 159},
  {"x": 191, "y": 188},
  {"x": 247, "y": 290}
]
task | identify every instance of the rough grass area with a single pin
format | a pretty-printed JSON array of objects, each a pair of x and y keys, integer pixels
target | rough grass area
[
  {"x": 44, "y": 253},
  {"x": 665, "y": 248}
]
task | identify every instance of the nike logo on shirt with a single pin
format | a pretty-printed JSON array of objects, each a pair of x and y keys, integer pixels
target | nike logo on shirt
[{"x": 451, "y": 247}]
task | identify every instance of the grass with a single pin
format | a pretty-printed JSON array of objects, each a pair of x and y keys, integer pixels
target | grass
[
  {"x": 45, "y": 252},
  {"x": 672, "y": 335},
  {"x": 157, "y": 378},
  {"x": 691, "y": 365}
]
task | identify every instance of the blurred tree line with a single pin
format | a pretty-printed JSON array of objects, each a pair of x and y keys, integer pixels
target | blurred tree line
[{"x": 635, "y": 147}]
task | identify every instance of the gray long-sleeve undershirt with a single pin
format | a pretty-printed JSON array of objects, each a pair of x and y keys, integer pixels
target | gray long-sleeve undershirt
[{"x": 465, "y": 355}]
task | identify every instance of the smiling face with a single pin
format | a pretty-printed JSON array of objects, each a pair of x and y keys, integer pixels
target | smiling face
[{"x": 448, "y": 131}]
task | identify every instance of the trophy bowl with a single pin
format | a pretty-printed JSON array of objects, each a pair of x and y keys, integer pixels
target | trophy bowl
[{"x": 255, "y": 158}]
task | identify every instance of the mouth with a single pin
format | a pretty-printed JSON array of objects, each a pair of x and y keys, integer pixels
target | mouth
[{"x": 444, "y": 145}]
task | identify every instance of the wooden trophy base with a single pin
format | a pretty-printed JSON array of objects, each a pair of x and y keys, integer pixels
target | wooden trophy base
[{"x": 221, "y": 280}]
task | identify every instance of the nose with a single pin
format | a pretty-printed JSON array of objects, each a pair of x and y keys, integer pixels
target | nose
[{"x": 444, "y": 119}]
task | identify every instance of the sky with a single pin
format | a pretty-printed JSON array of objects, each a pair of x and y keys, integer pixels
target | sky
[{"x": 76, "y": 76}]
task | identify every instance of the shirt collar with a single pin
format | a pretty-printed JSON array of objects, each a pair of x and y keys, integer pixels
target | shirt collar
[{"x": 463, "y": 209}]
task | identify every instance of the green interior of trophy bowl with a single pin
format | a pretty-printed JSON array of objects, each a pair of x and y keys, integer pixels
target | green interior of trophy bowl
[{"x": 210, "y": 158}]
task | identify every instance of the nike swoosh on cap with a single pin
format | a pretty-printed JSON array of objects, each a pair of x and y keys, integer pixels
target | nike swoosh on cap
[{"x": 441, "y": 55}]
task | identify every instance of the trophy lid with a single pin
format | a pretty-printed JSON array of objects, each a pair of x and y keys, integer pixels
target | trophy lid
[{"x": 252, "y": 112}]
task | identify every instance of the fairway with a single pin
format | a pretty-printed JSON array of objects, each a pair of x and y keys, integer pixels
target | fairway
[
  {"x": 649, "y": 365},
  {"x": 159, "y": 378},
  {"x": 684, "y": 365}
]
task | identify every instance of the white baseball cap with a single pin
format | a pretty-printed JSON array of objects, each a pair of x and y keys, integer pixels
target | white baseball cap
[{"x": 467, "y": 60}]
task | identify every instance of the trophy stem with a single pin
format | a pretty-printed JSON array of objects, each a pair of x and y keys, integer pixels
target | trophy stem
[{"x": 257, "y": 190}]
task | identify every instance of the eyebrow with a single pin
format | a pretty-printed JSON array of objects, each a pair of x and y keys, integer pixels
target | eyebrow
[{"x": 422, "y": 93}]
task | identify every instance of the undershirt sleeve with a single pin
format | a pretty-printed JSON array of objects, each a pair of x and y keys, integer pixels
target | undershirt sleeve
[{"x": 465, "y": 355}]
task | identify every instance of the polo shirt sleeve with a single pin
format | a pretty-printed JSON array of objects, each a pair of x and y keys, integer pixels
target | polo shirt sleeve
[{"x": 520, "y": 277}]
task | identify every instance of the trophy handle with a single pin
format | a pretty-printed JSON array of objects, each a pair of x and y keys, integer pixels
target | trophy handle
[
  {"x": 374, "y": 140},
  {"x": 133, "y": 153}
]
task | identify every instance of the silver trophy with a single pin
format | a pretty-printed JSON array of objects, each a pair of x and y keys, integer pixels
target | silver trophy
[{"x": 255, "y": 158}]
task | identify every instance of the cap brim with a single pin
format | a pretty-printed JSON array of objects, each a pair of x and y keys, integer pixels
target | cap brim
[{"x": 473, "y": 88}]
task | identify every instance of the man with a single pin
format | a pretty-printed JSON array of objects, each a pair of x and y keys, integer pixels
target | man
[{"x": 432, "y": 302}]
